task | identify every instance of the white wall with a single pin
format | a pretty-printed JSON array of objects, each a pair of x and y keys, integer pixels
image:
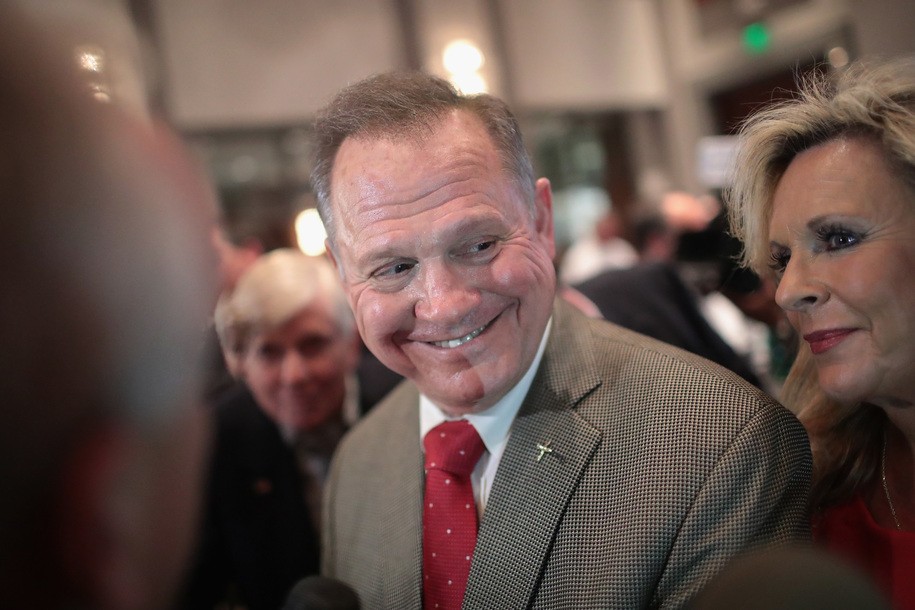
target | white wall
[
  {"x": 585, "y": 54},
  {"x": 701, "y": 65},
  {"x": 265, "y": 62},
  {"x": 884, "y": 27},
  {"x": 236, "y": 62},
  {"x": 230, "y": 63}
]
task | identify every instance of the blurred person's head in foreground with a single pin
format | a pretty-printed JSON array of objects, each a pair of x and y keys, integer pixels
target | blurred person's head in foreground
[
  {"x": 789, "y": 578},
  {"x": 288, "y": 332},
  {"x": 105, "y": 295}
]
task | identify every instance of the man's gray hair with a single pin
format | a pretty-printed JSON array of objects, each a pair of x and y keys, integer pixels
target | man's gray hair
[
  {"x": 409, "y": 105},
  {"x": 276, "y": 288}
]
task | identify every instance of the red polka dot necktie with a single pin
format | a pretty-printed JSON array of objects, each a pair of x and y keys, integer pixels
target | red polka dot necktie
[{"x": 449, "y": 512}]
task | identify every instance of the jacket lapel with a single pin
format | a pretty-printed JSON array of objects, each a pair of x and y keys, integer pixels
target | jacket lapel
[{"x": 549, "y": 447}]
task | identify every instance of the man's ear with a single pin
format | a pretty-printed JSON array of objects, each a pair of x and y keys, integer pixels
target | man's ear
[
  {"x": 543, "y": 214},
  {"x": 251, "y": 250},
  {"x": 329, "y": 252}
]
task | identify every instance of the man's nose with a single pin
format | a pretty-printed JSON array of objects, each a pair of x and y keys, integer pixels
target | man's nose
[
  {"x": 799, "y": 289},
  {"x": 447, "y": 294},
  {"x": 294, "y": 368}
]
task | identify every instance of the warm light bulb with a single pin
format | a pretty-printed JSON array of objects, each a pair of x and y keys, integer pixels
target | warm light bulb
[
  {"x": 838, "y": 57},
  {"x": 310, "y": 233},
  {"x": 462, "y": 57}
]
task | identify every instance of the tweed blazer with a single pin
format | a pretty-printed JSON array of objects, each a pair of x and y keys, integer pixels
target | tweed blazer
[{"x": 664, "y": 466}]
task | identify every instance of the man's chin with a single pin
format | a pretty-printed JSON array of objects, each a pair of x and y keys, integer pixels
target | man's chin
[{"x": 465, "y": 394}]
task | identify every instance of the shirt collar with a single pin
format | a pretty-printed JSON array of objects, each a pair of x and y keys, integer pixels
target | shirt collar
[{"x": 492, "y": 424}]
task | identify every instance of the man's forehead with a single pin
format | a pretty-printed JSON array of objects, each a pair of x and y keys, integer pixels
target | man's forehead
[
  {"x": 453, "y": 128},
  {"x": 373, "y": 167}
]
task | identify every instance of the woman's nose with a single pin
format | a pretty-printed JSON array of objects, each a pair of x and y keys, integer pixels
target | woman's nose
[{"x": 799, "y": 289}]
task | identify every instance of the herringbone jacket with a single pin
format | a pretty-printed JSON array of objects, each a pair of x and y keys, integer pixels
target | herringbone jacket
[{"x": 664, "y": 467}]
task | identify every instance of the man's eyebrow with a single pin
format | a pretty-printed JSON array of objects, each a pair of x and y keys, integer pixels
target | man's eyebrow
[
  {"x": 474, "y": 222},
  {"x": 370, "y": 260}
]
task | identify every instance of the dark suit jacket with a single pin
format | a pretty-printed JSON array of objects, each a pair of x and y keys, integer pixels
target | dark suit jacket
[
  {"x": 652, "y": 299},
  {"x": 664, "y": 467},
  {"x": 257, "y": 535}
]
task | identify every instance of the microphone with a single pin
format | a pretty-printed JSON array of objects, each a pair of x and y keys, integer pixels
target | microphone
[{"x": 321, "y": 593}]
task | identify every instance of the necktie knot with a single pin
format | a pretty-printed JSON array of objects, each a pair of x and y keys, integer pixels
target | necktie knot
[{"x": 453, "y": 446}]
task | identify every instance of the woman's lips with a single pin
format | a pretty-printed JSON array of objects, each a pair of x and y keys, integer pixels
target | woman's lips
[{"x": 823, "y": 340}]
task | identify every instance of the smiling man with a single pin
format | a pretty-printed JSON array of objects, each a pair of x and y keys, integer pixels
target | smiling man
[{"x": 592, "y": 467}]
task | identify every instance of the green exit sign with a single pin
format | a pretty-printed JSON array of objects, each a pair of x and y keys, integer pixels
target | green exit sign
[{"x": 756, "y": 38}]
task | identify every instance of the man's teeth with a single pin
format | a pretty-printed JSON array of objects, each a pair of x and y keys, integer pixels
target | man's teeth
[{"x": 452, "y": 343}]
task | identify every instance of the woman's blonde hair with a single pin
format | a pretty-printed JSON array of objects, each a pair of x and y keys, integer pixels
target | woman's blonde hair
[{"x": 869, "y": 99}]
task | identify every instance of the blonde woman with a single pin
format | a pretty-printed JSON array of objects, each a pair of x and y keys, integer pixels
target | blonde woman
[{"x": 824, "y": 198}]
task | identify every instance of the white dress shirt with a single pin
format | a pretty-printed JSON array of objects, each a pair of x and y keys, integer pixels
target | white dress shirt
[{"x": 493, "y": 425}]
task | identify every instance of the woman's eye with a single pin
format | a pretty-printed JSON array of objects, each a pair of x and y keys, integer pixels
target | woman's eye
[
  {"x": 778, "y": 260},
  {"x": 837, "y": 238},
  {"x": 837, "y": 241}
]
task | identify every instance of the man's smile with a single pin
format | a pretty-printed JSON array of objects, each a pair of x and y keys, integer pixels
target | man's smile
[{"x": 452, "y": 343}]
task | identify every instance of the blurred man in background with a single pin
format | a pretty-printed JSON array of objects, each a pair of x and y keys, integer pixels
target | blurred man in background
[
  {"x": 289, "y": 335},
  {"x": 248, "y": 224}
]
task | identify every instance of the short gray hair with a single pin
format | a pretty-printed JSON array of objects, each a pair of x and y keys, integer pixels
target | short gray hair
[
  {"x": 278, "y": 286},
  {"x": 404, "y": 105}
]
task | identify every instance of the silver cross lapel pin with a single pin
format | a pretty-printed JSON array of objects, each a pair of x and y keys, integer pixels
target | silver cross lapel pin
[{"x": 544, "y": 448}]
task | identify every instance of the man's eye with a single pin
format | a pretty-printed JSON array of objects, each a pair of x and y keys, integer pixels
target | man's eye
[
  {"x": 401, "y": 268},
  {"x": 394, "y": 270},
  {"x": 478, "y": 251},
  {"x": 313, "y": 346},
  {"x": 270, "y": 352}
]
